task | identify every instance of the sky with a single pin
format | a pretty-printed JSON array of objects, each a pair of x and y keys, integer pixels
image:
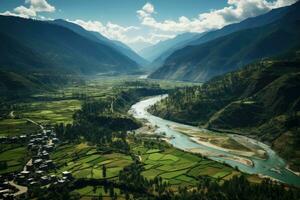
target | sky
[{"x": 142, "y": 23}]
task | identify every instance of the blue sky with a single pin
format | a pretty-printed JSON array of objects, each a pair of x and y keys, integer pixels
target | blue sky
[
  {"x": 141, "y": 23},
  {"x": 121, "y": 11}
]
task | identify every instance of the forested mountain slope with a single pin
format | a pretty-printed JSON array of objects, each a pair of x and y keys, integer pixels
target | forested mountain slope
[
  {"x": 253, "y": 22},
  {"x": 153, "y": 52},
  {"x": 97, "y": 37},
  {"x": 262, "y": 100},
  {"x": 35, "y": 55},
  {"x": 198, "y": 39},
  {"x": 60, "y": 48},
  {"x": 230, "y": 52}
]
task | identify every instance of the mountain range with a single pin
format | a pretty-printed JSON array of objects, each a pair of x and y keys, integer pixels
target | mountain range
[
  {"x": 34, "y": 49},
  {"x": 233, "y": 46},
  {"x": 97, "y": 37},
  {"x": 153, "y": 52}
]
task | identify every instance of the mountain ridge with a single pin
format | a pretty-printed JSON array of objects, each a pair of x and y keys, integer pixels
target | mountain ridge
[
  {"x": 97, "y": 37},
  {"x": 64, "y": 49},
  {"x": 227, "y": 53}
]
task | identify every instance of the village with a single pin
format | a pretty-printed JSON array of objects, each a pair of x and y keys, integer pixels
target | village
[{"x": 36, "y": 171}]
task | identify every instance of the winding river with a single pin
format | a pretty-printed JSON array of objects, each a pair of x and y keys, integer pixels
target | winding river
[{"x": 273, "y": 166}]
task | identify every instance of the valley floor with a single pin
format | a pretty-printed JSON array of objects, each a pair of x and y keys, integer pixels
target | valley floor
[{"x": 92, "y": 165}]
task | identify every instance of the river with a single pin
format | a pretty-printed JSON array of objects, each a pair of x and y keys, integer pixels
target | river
[{"x": 273, "y": 166}]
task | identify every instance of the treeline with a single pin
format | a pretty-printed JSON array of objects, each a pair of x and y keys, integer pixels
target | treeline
[
  {"x": 134, "y": 186},
  {"x": 237, "y": 188}
]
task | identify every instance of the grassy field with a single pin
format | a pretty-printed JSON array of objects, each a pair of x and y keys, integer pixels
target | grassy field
[
  {"x": 104, "y": 87},
  {"x": 180, "y": 168},
  {"x": 49, "y": 112},
  {"x": 13, "y": 156},
  {"x": 90, "y": 192},
  {"x": 45, "y": 112},
  {"x": 176, "y": 167},
  {"x": 13, "y": 127},
  {"x": 84, "y": 161}
]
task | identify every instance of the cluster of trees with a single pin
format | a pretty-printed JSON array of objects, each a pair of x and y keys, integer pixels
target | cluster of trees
[
  {"x": 141, "y": 84},
  {"x": 94, "y": 134},
  {"x": 55, "y": 192},
  {"x": 191, "y": 104},
  {"x": 98, "y": 120},
  {"x": 6, "y": 108},
  {"x": 3, "y": 164},
  {"x": 236, "y": 188},
  {"x": 130, "y": 179}
]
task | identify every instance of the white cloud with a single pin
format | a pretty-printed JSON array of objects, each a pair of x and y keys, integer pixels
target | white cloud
[
  {"x": 146, "y": 11},
  {"x": 152, "y": 38},
  {"x": 8, "y": 13},
  {"x": 128, "y": 35},
  {"x": 281, "y": 3},
  {"x": 237, "y": 10},
  {"x": 121, "y": 33},
  {"x": 109, "y": 30},
  {"x": 23, "y": 11},
  {"x": 149, "y": 8},
  {"x": 40, "y": 5},
  {"x": 35, "y": 6}
]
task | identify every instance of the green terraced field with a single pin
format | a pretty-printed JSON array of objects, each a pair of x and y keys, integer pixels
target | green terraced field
[
  {"x": 14, "y": 159},
  {"x": 178, "y": 167},
  {"x": 13, "y": 127},
  {"x": 90, "y": 192},
  {"x": 84, "y": 161},
  {"x": 51, "y": 111}
]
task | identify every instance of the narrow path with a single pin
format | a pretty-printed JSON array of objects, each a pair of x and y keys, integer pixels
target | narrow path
[
  {"x": 11, "y": 114},
  {"x": 42, "y": 128},
  {"x": 22, "y": 189}
]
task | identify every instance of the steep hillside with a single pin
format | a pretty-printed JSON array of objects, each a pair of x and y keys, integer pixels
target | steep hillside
[
  {"x": 126, "y": 50},
  {"x": 230, "y": 52},
  {"x": 248, "y": 23},
  {"x": 16, "y": 56},
  {"x": 60, "y": 49},
  {"x": 262, "y": 100},
  {"x": 198, "y": 39},
  {"x": 182, "y": 41},
  {"x": 97, "y": 37},
  {"x": 153, "y": 52},
  {"x": 19, "y": 85}
]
